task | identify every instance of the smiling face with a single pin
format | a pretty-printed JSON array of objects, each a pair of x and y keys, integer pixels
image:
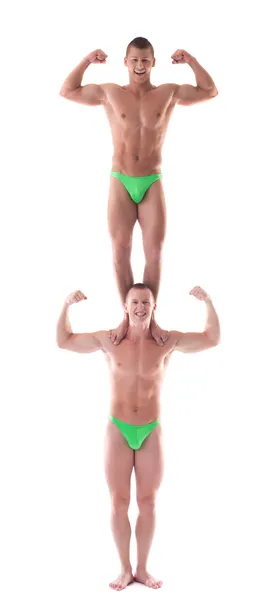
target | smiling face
[
  {"x": 140, "y": 305},
  {"x": 139, "y": 63}
]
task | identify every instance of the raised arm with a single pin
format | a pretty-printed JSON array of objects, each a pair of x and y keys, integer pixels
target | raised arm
[
  {"x": 90, "y": 94},
  {"x": 76, "y": 342},
  {"x": 187, "y": 94},
  {"x": 210, "y": 337}
]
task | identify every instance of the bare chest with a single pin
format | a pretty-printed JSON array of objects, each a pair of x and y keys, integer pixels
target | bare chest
[
  {"x": 151, "y": 111},
  {"x": 146, "y": 362}
]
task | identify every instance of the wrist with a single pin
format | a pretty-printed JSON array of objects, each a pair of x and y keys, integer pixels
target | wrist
[
  {"x": 86, "y": 62},
  {"x": 193, "y": 61}
]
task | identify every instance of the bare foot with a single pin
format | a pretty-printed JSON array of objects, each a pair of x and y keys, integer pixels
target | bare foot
[
  {"x": 116, "y": 335},
  {"x": 160, "y": 335},
  {"x": 142, "y": 576},
  {"x": 124, "y": 579}
]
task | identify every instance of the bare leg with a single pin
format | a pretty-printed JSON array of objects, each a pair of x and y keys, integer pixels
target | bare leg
[
  {"x": 149, "y": 472},
  {"x": 122, "y": 215},
  {"x": 152, "y": 219},
  {"x": 119, "y": 461}
]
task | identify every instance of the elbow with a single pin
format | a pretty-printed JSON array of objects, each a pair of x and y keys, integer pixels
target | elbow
[
  {"x": 67, "y": 92},
  {"x": 63, "y": 93},
  {"x": 61, "y": 344},
  {"x": 214, "y": 339},
  {"x": 213, "y": 92}
]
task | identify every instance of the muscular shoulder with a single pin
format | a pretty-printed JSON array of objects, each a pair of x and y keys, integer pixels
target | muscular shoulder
[
  {"x": 173, "y": 337},
  {"x": 103, "y": 338},
  {"x": 167, "y": 90},
  {"x": 111, "y": 90}
]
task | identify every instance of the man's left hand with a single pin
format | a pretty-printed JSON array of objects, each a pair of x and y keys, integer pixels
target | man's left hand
[
  {"x": 180, "y": 57},
  {"x": 200, "y": 294}
]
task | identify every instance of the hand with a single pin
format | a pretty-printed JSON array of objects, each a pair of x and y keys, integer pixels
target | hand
[
  {"x": 181, "y": 56},
  {"x": 75, "y": 297},
  {"x": 97, "y": 56},
  {"x": 200, "y": 294}
]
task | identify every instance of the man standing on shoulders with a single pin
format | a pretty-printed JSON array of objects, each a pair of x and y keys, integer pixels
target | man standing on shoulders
[{"x": 134, "y": 435}]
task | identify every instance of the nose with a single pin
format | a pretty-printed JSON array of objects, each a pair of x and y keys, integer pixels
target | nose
[
  {"x": 140, "y": 65},
  {"x": 140, "y": 307}
]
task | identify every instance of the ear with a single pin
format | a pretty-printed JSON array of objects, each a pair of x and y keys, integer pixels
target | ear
[
  {"x": 125, "y": 308},
  {"x": 154, "y": 307},
  {"x": 125, "y": 61},
  {"x": 154, "y": 63}
]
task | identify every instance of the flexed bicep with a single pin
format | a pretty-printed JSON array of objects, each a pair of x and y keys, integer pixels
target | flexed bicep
[
  {"x": 84, "y": 342},
  {"x": 193, "y": 342}
]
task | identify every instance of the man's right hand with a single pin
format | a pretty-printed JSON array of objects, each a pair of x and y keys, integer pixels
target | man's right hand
[
  {"x": 75, "y": 297},
  {"x": 97, "y": 56}
]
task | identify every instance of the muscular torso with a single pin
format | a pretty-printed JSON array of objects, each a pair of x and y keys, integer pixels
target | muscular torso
[
  {"x": 136, "y": 370},
  {"x": 138, "y": 125}
]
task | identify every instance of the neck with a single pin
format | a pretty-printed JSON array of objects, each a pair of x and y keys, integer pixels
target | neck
[
  {"x": 138, "y": 333},
  {"x": 140, "y": 88}
]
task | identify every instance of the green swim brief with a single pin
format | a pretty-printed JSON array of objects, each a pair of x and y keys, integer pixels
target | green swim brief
[
  {"x": 134, "y": 434},
  {"x": 136, "y": 186}
]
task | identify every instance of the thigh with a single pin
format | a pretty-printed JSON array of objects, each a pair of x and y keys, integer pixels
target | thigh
[
  {"x": 122, "y": 212},
  {"x": 152, "y": 214},
  {"x": 118, "y": 462},
  {"x": 149, "y": 464}
]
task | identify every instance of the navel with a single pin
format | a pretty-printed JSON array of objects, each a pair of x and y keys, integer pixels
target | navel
[
  {"x": 137, "y": 157},
  {"x": 123, "y": 115},
  {"x": 158, "y": 115}
]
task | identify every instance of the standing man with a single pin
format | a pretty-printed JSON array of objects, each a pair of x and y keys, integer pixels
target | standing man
[
  {"x": 138, "y": 115},
  {"x": 133, "y": 437}
]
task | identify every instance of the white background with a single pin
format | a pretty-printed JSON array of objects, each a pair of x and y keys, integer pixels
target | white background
[{"x": 215, "y": 513}]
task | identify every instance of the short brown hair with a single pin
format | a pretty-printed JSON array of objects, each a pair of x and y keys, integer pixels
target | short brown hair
[
  {"x": 141, "y": 43},
  {"x": 140, "y": 286}
]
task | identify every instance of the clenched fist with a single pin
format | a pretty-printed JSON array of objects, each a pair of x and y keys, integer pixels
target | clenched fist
[
  {"x": 97, "y": 56},
  {"x": 181, "y": 56},
  {"x": 200, "y": 294},
  {"x": 75, "y": 297}
]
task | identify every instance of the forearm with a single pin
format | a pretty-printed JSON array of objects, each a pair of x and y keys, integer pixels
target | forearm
[
  {"x": 203, "y": 78},
  {"x": 63, "y": 330},
  {"x": 212, "y": 327},
  {"x": 74, "y": 80}
]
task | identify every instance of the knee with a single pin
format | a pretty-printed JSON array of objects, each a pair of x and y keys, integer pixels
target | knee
[
  {"x": 120, "y": 503},
  {"x": 146, "y": 504},
  {"x": 153, "y": 250},
  {"x": 121, "y": 248}
]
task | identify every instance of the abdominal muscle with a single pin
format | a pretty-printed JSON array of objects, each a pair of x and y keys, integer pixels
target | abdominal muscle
[
  {"x": 135, "y": 402},
  {"x": 137, "y": 154}
]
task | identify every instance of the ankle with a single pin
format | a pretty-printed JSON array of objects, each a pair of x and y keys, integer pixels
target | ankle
[
  {"x": 141, "y": 567},
  {"x": 126, "y": 568}
]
